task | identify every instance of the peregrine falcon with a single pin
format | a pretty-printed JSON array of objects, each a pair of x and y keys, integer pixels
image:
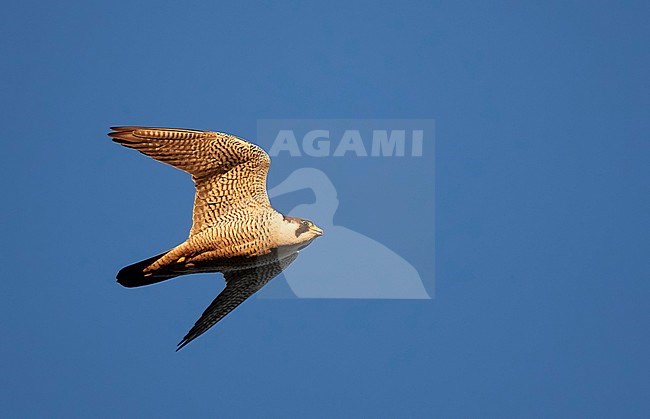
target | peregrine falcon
[{"x": 234, "y": 231}]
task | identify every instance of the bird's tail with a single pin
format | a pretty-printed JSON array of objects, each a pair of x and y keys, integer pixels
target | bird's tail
[{"x": 134, "y": 276}]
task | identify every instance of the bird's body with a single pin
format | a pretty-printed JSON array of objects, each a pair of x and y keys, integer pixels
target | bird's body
[{"x": 234, "y": 231}]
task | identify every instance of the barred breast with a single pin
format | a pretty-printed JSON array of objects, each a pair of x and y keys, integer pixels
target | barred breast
[{"x": 246, "y": 233}]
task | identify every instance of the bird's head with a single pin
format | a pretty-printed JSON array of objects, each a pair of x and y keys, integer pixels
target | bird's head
[{"x": 296, "y": 231}]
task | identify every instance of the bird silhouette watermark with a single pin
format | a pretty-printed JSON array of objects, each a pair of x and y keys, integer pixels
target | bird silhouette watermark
[{"x": 348, "y": 262}]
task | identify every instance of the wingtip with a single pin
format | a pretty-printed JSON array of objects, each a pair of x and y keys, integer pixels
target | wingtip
[
  {"x": 124, "y": 128},
  {"x": 122, "y": 132},
  {"x": 122, "y": 137}
]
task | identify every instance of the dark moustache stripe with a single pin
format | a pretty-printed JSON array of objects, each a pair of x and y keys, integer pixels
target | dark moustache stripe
[{"x": 302, "y": 229}]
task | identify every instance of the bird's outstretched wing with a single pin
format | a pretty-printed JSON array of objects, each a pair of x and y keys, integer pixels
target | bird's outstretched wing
[
  {"x": 229, "y": 172},
  {"x": 239, "y": 286}
]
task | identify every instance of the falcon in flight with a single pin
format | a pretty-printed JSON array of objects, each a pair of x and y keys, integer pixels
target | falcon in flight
[{"x": 234, "y": 231}]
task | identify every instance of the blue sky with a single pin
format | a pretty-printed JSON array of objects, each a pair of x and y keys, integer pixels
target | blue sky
[{"x": 541, "y": 208}]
